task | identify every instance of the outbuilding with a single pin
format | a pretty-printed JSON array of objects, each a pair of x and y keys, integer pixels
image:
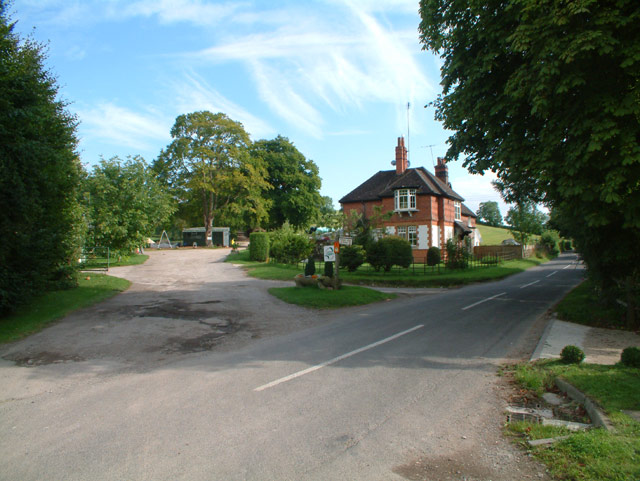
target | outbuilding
[{"x": 196, "y": 236}]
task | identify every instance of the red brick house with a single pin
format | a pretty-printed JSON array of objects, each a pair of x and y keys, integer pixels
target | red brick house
[{"x": 426, "y": 210}]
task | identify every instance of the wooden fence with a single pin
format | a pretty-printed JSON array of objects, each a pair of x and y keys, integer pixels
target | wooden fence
[{"x": 505, "y": 253}]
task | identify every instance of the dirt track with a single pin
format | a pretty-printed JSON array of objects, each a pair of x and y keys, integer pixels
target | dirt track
[{"x": 178, "y": 304}]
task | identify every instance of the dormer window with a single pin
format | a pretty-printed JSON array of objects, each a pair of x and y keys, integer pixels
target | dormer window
[
  {"x": 458, "y": 210},
  {"x": 405, "y": 199}
]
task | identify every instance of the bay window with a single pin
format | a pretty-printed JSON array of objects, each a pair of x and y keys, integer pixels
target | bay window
[{"x": 405, "y": 199}]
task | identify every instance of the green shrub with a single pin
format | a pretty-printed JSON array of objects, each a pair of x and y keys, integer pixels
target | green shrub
[
  {"x": 572, "y": 355},
  {"x": 352, "y": 257},
  {"x": 310, "y": 267},
  {"x": 433, "y": 256},
  {"x": 259, "y": 246},
  {"x": 630, "y": 357},
  {"x": 549, "y": 242},
  {"x": 328, "y": 269},
  {"x": 457, "y": 255},
  {"x": 288, "y": 247},
  {"x": 388, "y": 252}
]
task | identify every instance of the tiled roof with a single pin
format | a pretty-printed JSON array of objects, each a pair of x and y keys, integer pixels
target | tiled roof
[
  {"x": 385, "y": 182},
  {"x": 468, "y": 212}
]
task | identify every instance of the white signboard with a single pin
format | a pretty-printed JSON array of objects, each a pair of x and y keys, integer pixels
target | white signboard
[
  {"x": 329, "y": 254},
  {"x": 345, "y": 241}
]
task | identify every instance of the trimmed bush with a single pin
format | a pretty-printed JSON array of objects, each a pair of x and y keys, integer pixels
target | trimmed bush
[
  {"x": 288, "y": 247},
  {"x": 310, "y": 267},
  {"x": 388, "y": 252},
  {"x": 433, "y": 256},
  {"x": 259, "y": 246},
  {"x": 352, "y": 257},
  {"x": 572, "y": 355},
  {"x": 630, "y": 357}
]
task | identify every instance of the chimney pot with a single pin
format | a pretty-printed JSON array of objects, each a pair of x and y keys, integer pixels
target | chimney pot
[{"x": 442, "y": 171}]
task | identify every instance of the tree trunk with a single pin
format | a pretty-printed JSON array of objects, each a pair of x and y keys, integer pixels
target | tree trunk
[
  {"x": 631, "y": 304},
  {"x": 207, "y": 201}
]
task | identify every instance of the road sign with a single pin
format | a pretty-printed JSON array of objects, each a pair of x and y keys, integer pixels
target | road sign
[
  {"x": 329, "y": 254},
  {"x": 336, "y": 247},
  {"x": 346, "y": 241}
]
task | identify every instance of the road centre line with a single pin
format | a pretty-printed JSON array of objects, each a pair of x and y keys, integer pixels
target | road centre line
[
  {"x": 567, "y": 266},
  {"x": 483, "y": 300},
  {"x": 554, "y": 272},
  {"x": 336, "y": 359},
  {"x": 530, "y": 284}
]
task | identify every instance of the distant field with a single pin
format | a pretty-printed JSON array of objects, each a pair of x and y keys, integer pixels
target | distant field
[{"x": 492, "y": 236}]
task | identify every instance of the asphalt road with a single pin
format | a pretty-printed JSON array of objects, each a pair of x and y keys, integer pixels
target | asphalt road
[{"x": 376, "y": 394}]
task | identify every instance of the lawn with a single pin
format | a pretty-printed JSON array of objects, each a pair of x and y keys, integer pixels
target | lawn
[
  {"x": 395, "y": 278},
  {"x": 53, "y": 305},
  {"x": 596, "y": 454},
  {"x": 493, "y": 236},
  {"x": 329, "y": 299}
]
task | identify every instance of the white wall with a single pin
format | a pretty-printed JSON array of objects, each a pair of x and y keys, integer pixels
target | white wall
[{"x": 423, "y": 237}]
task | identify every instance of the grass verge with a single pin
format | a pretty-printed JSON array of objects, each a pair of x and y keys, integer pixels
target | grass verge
[
  {"x": 583, "y": 305},
  {"x": 328, "y": 299},
  {"x": 405, "y": 278},
  {"x": 101, "y": 262},
  {"x": 595, "y": 454},
  {"x": 53, "y": 305}
]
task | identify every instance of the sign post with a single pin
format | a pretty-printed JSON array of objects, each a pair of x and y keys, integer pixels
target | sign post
[{"x": 336, "y": 274}]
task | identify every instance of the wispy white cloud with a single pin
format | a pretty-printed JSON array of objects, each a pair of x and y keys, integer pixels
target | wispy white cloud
[
  {"x": 276, "y": 90},
  {"x": 193, "y": 94},
  {"x": 171, "y": 11},
  {"x": 87, "y": 12},
  {"x": 108, "y": 122},
  {"x": 314, "y": 63}
]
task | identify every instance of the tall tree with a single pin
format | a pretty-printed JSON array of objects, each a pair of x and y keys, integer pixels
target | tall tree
[
  {"x": 328, "y": 216},
  {"x": 525, "y": 220},
  {"x": 545, "y": 94},
  {"x": 124, "y": 204},
  {"x": 40, "y": 216},
  {"x": 295, "y": 193},
  {"x": 208, "y": 162},
  {"x": 489, "y": 213}
]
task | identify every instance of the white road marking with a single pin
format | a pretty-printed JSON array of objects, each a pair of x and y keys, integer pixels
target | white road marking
[
  {"x": 530, "y": 284},
  {"x": 336, "y": 359},
  {"x": 554, "y": 272},
  {"x": 483, "y": 300},
  {"x": 567, "y": 266}
]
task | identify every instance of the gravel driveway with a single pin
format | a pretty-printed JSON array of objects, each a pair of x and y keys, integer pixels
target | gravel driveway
[{"x": 180, "y": 302}]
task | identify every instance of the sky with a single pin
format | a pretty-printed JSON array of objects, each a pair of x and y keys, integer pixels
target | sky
[{"x": 334, "y": 77}]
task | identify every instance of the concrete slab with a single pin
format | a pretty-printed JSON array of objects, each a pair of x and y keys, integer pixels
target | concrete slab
[{"x": 558, "y": 335}]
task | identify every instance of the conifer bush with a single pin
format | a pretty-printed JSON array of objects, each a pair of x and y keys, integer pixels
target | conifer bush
[{"x": 259, "y": 246}]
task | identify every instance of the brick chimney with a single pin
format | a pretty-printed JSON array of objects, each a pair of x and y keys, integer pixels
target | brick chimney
[
  {"x": 401, "y": 157},
  {"x": 442, "y": 171}
]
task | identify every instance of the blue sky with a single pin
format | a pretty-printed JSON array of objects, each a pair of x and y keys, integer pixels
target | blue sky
[{"x": 333, "y": 76}]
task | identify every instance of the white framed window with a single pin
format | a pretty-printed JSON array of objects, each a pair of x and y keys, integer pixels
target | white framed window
[
  {"x": 405, "y": 199},
  {"x": 410, "y": 233},
  {"x": 458, "y": 210}
]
